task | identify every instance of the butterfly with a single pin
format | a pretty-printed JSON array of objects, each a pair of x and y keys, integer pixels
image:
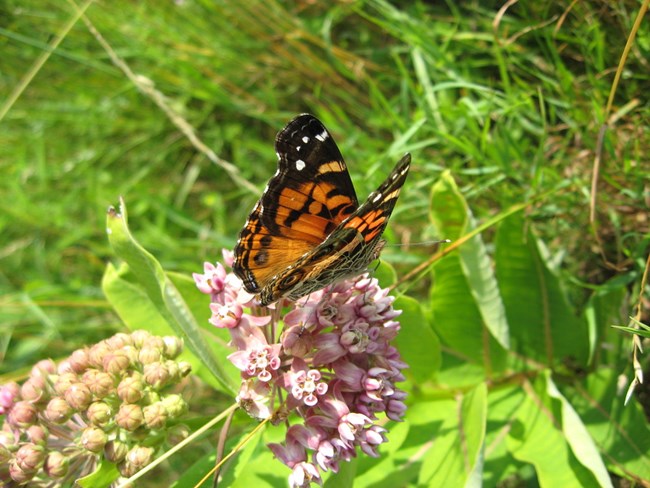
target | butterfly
[{"x": 308, "y": 230}]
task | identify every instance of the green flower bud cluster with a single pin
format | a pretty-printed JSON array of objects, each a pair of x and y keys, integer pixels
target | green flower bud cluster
[{"x": 115, "y": 401}]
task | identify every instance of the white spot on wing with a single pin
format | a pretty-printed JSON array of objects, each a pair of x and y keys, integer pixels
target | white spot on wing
[
  {"x": 305, "y": 139},
  {"x": 377, "y": 198},
  {"x": 278, "y": 155},
  {"x": 300, "y": 164},
  {"x": 298, "y": 148},
  {"x": 322, "y": 136}
]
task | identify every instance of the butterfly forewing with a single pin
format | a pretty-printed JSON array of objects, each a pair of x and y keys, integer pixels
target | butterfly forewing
[
  {"x": 308, "y": 154},
  {"x": 309, "y": 195}
]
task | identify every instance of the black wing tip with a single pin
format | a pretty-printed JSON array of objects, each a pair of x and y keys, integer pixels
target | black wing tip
[
  {"x": 299, "y": 122},
  {"x": 403, "y": 165}
]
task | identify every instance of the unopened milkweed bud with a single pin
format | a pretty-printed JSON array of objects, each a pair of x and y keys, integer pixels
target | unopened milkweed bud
[
  {"x": 93, "y": 439},
  {"x": 56, "y": 465},
  {"x": 58, "y": 411}
]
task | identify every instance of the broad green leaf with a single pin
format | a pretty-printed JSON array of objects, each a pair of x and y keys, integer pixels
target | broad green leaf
[
  {"x": 192, "y": 475},
  {"x": 252, "y": 465},
  {"x": 577, "y": 435},
  {"x": 418, "y": 344},
  {"x": 602, "y": 310},
  {"x": 537, "y": 437},
  {"x": 457, "y": 320},
  {"x": 503, "y": 404},
  {"x": 198, "y": 303},
  {"x": 620, "y": 431},
  {"x": 453, "y": 218},
  {"x": 385, "y": 273},
  {"x": 458, "y": 373},
  {"x": 397, "y": 434},
  {"x": 345, "y": 478},
  {"x": 478, "y": 269},
  {"x": 381, "y": 472},
  {"x": 160, "y": 291},
  {"x": 217, "y": 339},
  {"x": 456, "y": 457},
  {"x": 400, "y": 463},
  {"x": 256, "y": 462},
  {"x": 542, "y": 325},
  {"x": 472, "y": 426},
  {"x": 131, "y": 302}
]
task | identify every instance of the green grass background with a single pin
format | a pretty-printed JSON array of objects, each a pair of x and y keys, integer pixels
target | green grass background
[{"x": 510, "y": 101}]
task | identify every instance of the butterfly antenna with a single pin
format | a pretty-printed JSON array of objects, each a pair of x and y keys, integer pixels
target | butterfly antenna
[{"x": 420, "y": 243}]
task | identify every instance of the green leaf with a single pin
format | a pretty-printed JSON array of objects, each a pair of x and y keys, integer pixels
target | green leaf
[
  {"x": 105, "y": 474},
  {"x": 191, "y": 476},
  {"x": 456, "y": 457},
  {"x": 473, "y": 421},
  {"x": 542, "y": 325},
  {"x": 479, "y": 272},
  {"x": 131, "y": 302},
  {"x": 577, "y": 435},
  {"x": 402, "y": 458},
  {"x": 453, "y": 218},
  {"x": 620, "y": 431},
  {"x": 385, "y": 273},
  {"x": 149, "y": 277},
  {"x": 541, "y": 435},
  {"x": 417, "y": 342},
  {"x": 256, "y": 466},
  {"x": 465, "y": 304},
  {"x": 218, "y": 339},
  {"x": 503, "y": 404},
  {"x": 345, "y": 478}
]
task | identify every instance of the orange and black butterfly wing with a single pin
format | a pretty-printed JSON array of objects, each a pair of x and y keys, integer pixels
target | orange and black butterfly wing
[
  {"x": 348, "y": 250},
  {"x": 308, "y": 197},
  {"x": 371, "y": 218}
]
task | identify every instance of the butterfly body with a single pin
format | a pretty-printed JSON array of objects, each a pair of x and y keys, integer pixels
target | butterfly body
[{"x": 307, "y": 230}]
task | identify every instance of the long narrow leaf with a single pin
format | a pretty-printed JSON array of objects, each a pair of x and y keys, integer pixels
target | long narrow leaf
[
  {"x": 466, "y": 306},
  {"x": 160, "y": 290}
]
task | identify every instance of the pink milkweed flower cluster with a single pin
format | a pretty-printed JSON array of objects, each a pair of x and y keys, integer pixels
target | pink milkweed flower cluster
[{"x": 326, "y": 357}]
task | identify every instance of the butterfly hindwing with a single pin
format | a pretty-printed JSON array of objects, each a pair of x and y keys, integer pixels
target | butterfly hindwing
[
  {"x": 347, "y": 251},
  {"x": 371, "y": 218}
]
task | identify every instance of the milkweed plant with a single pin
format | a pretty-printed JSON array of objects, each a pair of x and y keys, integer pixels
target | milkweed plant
[{"x": 323, "y": 365}]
